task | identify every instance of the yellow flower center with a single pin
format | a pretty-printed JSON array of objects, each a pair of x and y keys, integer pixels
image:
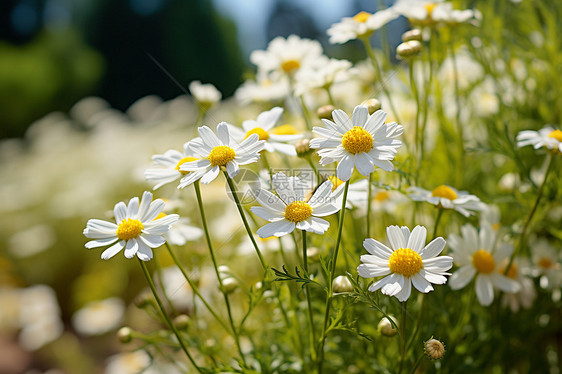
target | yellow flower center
[
  {"x": 556, "y": 134},
  {"x": 183, "y": 161},
  {"x": 382, "y": 196},
  {"x": 285, "y": 130},
  {"x": 357, "y": 140},
  {"x": 405, "y": 261},
  {"x": 336, "y": 182},
  {"x": 221, "y": 155},
  {"x": 298, "y": 211},
  {"x": 361, "y": 17},
  {"x": 129, "y": 229},
  {"x": 496, "y": 226},
  {"x": 444, "y": 191},
  {"x": 511, "y": 273},
  {"x": 290, "y": 65},
  {"x": 545, "y": 263},
  {"x": 429, "y": 7},
  {"x": 258, "y": 130},
  {"x": 483, "y": 261}
]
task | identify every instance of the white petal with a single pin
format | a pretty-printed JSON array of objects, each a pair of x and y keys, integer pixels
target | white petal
[
  {"x": 269, "y": 200},
  {"x": 325, "y": 210},
  {"x": 144, "y": 253},
  {"x": 278, "y": 229},
  {"x": 375, "y": 260},
  {"x": 209, "y": 138},
  {"x": 433, "y": 249},
  {"x": 321, "y": 195},
  {"x": 364, "y": 164},
  {"x": 371, "y": 271},
  {"x": 375, "y": 121},
  {"x": 438, "y": 264},
  {"x": 432, "y": 277},
  {"x": 266, "y": 214},
  {"x": 154, "y": 210},
  {"x": 377, "y": 248},
  {"x": 153, "y": 241},
  {"x": 395, "y": 286},
  {"x": 304, "y": 225},
  {"x": 342, "y": 119},
  {"x": 113, "y": 250},
  {"x": 319, "y": 225},
  {"x": 100, "y": 242},
  {"x": 461, "y": 277},
  {"x": 484, "y": 290},
  {"x": 421, "y": 284},
  {"x": 416, "y": 241},
  {"x": 504, "y": 283},
  {"x": 396, "y": 238},
  {"x": 406, "y": 290},
  {"x": 98, "y": 229},
  {"x": 345, "y": 167},
  {"x": 487, "y": 237},
  {"x": 145, "y": 203},
  {"x": 210, "y": 175},
  {"x": 232, "y": 168},
  {"x": 287, "y": 149},
  {"x": 360, "y": 115},
  {"x": 131, "y": 248},
  {"x": 133, "y": 208},
  {"x": 223, "y": 133},
  {"x": 382, "y": 282},
  {"x": 120, "y": 211}
]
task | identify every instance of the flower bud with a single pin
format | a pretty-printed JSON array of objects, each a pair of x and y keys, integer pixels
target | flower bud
[
  {"x": 414, "y": 34},
  {"x": 230, "y": 284},
  {"x": 303, "y": 147},
  {"x": 372, "y": 104},
  {"x": 386, "y": 328},
  {"x": 144, "y": 300},
  {"x": 125, "y": 335},
  {"x": 342, "y": 284},
  {"x": 313, "y": 254},
  {"x": 408, "y": 49},
  {"x": 434, "y": 349},
  {"x": 182, "y": 321},
  {"x": 325, "y": 112}
]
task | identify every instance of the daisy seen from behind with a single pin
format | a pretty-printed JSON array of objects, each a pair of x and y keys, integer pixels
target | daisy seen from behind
[
  {"x": 273, "y": 137},
  {"x": 407, "y": 261},
  {"x": 476, "y": 255},
  {"x": 360, "y": 25},
  {"x": 363, "y": 142},
  {"x": 290, "y": 209},
  {"x": 219, "y": 151},
  {"x": 547, "y": 137},
  {"x": 168, "y": 167},
  {"x": 137, "y": 228},
  {"x": 446, "y": 197}
]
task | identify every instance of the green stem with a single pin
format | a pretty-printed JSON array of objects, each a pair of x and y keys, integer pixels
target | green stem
[
  {"x": 166, "y": 316},
  {"x": 403, "y": 308},
  {"x": 244, "y": 220},
  {"x": 437, "y": 219},
  {"x": 212, "y": 253},
  {"x": 306, "y": 114},
  {"x": 308, "y": 302},
  {"x": 378, "y": 71},
  {"x": 461, "y": 168},
  {"x": 320, "y": 354},
  {"x": 196, "y": 290},
  {"x": 161, "y": 282},
  {"x": 330, "y": 97},
  {"x": 369, "y": 199},
  {"x": 417, "y": 133}
]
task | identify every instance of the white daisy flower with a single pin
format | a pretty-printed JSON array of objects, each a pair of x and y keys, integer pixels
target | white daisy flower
[
  {"x": 363, "y": 142},
  {"x": 408, "y": 261},
  {"x": 328, "y": 72},
  {"x": 548, "y": 264},
  {"x": 264, "y": 127},
  {"x": 547, "y": 137},
  {"x": 419, "y": 12},
  {"x": 99, "y": 317},
  {"x": 448, "y": 198},
  {"x": 287, "y": 56},
  {"x": 475, "y": 255},
  {"x": 444, "y": 12},
  {"x": 527, "y": 293},
  {"x": 137, "y": 229},
  {"x": 291, "y": 209},
  {"x": 360, "y": 25},
  {"x": 221, "y": 150},
  {"x": 206, "y": 94},
  {"x": 169, "y": 167}
]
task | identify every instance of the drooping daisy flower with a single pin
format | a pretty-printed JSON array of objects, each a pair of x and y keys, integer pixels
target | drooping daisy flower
[
  {"x": 291, "y": 209},
  {"x": 286, "y": 56},
  {"x": 446, "y": 197},
  {"x": 169, "y": 169},
  {"x": 408, "y": 261},
  {"x": 137, "y": 229},
  {"x": 263, "y": 126},
  {"x": 361, "y": 25},
  {"x": 474, "y": 253},
  {"x": 206, "y": 94},
  {"x": 364, "y": 142},
  {"x": 547, "y": 137},
  {"x": 221, "y": 150}
]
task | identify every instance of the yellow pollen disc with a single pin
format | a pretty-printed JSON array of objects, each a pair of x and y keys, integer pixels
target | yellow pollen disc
[
  {"x": 160, "y": 215},
  {"x": 556, "y": 134},
  {"x": 290, "y": 65},
  {"x": 405, "y": 261},
  {"x": 221, "y": 155},
  {"x": 361, "y": 17},
  {"x": 545, "y": 263},
  {"x": 496, "y": 226},
  {"x": 129, "y": 229},
  {"x": 183, "y": 161},
  {"x": 444, "y": 191},
  {"x": 381, "y": 196},
  {"x": 258, "y": 130},
  {"x": 357, "y": 140},
  {"x": 483, "y": 261},
  {"x": 429, "y": 7},
  {"x": 298, "y": 211},
  {"x": 511, "y": 273},
  {"x": 285, "y": 130},
  {"x": 336, "y": 182}
]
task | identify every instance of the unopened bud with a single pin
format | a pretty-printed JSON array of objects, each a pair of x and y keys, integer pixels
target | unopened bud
[
  {"x": 372, "y": 104},
  {"x": 434, "y": 349},
  {"x": 182, "y": 321},
  {"x": 303, "y": 147},
  {"x": 414, "y": 34},
  {"x": 313, "y": 254},
  {"x": 144, "y": 300},
  {"x": 224, "y": 269},
  {"x": 325, "y": 112},
  {"x": 125, "y": 335},
  {"x": 386, "y": 328},
  {"x": 229, "y": 284},
  {"x": 342, "y": 284},
  {"x": 408, "y": 49}
]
